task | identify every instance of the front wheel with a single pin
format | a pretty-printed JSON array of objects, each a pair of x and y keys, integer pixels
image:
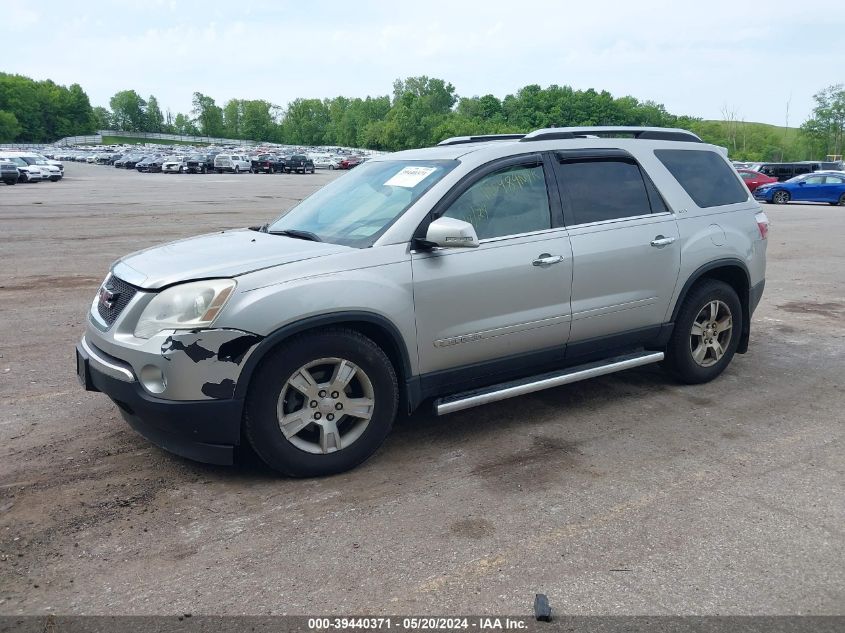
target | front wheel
[
  {"x": 321, "y": 403},
  {"x": 781, "y": 197},
  {"x": 706, "y": 334}
]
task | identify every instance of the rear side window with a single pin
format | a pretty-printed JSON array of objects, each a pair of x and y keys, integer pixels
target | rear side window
[
  {"x": 605, "y": 189},
  {"x": 704, "y": 175}
]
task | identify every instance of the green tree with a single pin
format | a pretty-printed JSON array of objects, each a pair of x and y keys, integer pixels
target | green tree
[
  {"x": 257, "y": 122},
  {"x": 9, "y": 126},
  {"x": 102, "y": 118},
  {"x": 128, "y": 111},
  {"x": 825, "y": 129},
  {"x": 232, "y": 118},
  {"x": 208, "y": 115},
  {"x": 305, "y": 122},
  {"x": 154, "y": 116}
]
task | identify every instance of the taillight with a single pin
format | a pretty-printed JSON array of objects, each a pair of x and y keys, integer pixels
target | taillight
[{"x": 762, "y": 224}]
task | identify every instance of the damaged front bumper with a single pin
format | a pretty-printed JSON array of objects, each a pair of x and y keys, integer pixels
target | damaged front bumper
[{"x": 177, "y": 391}]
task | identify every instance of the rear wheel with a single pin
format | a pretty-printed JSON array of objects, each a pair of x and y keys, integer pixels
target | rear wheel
[
  {"x": 321, "y": 403},
  {"x": 781, "y": 197},
  {"x": 237, "y": 169},
  {"x": 841, "y": 201},
  {"x": 706, "y": 334}
]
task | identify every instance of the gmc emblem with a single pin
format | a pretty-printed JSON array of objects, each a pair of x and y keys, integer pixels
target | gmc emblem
[{"x": 107, "y": 297}]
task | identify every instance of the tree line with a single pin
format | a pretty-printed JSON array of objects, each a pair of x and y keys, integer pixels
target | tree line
[
  {"x": 420, "y": 111},
  {"x": 42, "y": 111}
]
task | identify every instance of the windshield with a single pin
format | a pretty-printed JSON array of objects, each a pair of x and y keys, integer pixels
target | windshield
[{"x": 356, "y": 208}]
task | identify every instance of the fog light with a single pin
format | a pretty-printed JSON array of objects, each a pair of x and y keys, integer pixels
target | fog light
[{"x": 152, "y": 379}]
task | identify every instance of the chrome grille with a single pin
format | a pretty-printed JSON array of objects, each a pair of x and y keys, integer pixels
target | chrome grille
[{"x": 122, "y": 294}]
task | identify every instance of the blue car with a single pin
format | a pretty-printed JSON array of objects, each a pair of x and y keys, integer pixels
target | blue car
[{"x": 817, "y": 187}]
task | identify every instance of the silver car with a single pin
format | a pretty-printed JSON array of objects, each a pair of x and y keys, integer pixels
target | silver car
[{"x": 453, "y": 276}]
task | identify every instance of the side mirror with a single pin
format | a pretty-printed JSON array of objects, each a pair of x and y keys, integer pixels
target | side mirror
[
  {"x": 451, "y": 233},
  {"x": 802, "y": 182}
]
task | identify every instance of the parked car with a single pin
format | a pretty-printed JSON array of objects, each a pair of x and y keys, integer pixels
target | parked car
[
  {"x": 130, "y": 162},
  {"x": 26, "y": 172},
  {"x": 458, "y": 276},
  {"x": 754, "y": 179},
  {"x": 199, "y": 163},
  {"x": 785, "y": 171},
  {"x": 825, "y": 187},
  {"x": 299, "y": 163},
  {"x": 173, "y": 165},
  {"x": 151, "y": 164},
  {"x": 268, "y": 163},
  {"x": 350, "y": 161},
  {"x": 235, "y": 163},
  {"x": 49, "y": 171},
  {"x": 326, "y": 162},
  {"x": 8, "y": 172}
]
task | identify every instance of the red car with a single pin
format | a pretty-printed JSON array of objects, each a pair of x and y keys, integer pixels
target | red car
[
  {"x": 350, "y": 162},
  {"x": 754, "y": 179}
]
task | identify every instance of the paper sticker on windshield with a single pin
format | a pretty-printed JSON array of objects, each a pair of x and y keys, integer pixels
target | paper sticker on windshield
[{"x": 410, "y": 176}]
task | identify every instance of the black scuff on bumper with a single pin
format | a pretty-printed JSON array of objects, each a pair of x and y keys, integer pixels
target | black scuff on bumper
[{"x": 202, "y": 430}]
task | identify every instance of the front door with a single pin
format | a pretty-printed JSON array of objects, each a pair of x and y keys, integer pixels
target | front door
[{"x": 509, "y": 296}]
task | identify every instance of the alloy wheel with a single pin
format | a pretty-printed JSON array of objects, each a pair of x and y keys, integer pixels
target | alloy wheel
[
  {"x": 711, "y": 333},
  {"x": 325, "y": 405}
]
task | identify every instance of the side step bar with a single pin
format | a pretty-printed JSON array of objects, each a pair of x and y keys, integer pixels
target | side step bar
[{"x": 477, "y": 397}]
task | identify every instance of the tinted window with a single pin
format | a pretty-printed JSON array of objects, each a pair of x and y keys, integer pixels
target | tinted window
[
  {"x": 833, "y": 180},
  {"x": 704, "y": 175},
  {"x": 814, "y": 180},
  {"x": 505, "y": 202},
  {"x": 605, "y": 189}
]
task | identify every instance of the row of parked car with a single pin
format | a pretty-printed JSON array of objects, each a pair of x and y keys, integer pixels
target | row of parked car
[
  {"x": 173, "y": 160},
  {"x": 16, "y": 166},
  {"x": 804, "y": 181}
]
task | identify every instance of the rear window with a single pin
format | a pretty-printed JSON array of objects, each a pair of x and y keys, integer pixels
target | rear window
[{"x": 704, "y": 175}]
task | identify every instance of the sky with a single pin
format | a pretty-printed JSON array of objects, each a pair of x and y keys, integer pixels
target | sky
[{"x": 697, "y": 58}]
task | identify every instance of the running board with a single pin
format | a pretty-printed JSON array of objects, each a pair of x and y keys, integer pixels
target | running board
[{"x": 502, "y": 391}]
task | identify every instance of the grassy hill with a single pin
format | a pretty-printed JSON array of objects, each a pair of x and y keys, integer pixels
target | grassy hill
[{"x": 748, "y": 140}]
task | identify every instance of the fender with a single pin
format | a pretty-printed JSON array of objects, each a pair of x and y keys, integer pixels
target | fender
[
  {"x": 333, "y": 318},
  {"x": 744, "y": 297}
]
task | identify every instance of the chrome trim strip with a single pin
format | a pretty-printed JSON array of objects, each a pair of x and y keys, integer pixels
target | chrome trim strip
[
  {"x": 106, "y": 366},
  {"x": 568, "y": 376}
]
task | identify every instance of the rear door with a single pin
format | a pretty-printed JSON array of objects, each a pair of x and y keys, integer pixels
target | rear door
[
  {"x": 510, "y": 296},
  {"x": 625, "y": 249}
]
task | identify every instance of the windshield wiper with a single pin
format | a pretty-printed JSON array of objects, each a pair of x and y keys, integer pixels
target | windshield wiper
[{"x": 298, "y": 234}]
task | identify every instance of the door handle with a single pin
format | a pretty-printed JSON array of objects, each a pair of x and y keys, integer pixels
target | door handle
[
  {"x": 660, "y": 241},
  {"x": 545, "y": 259}
]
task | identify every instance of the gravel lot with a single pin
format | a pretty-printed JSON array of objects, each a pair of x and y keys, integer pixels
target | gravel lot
[{"x": 626, "y": 494}]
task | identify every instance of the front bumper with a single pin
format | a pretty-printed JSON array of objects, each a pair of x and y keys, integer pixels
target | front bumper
[{"x": 202, "y": 430}]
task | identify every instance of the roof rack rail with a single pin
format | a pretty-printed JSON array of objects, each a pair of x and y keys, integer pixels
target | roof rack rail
[
  {"x": 460, "y": 140},
  {"x": 645, "y": 133}
]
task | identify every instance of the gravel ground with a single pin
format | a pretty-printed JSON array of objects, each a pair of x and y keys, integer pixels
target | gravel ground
[{"x": 627, "y": 494}]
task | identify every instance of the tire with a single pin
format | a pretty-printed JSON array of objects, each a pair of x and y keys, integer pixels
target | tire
[
  {"x": 684, "y": 359},
  {"x": 841, "y": 201},
  {"x": 11, "y": 182},
  {"x": 781, "y": 197},
  {"x": 313, "y": 451},
  {"x": 272, "y": 170},
  {"x": 331, "y": 167},
  {"x": 237, "y": 169}
]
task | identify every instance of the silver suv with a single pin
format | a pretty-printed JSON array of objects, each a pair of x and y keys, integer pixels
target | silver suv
[{"x": 457, "y": 275}]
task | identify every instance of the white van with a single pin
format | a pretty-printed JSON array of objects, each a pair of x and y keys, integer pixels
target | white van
[{"x": 235, "y": 163}]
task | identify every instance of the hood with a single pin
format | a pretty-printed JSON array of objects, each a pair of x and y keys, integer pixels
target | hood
[{"x": 224, "y": 254}]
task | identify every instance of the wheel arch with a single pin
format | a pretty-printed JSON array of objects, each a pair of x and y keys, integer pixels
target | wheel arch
[
  {"x": 374, "y": 326},
  {"x": 733, "y": 272}
]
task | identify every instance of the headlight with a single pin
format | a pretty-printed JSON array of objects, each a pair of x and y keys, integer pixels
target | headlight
[{"x": 184, "y": 307}]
